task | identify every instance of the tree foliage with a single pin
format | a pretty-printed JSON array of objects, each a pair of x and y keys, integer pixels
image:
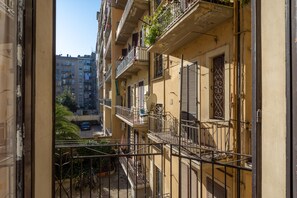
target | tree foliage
[
  {"x": 65, "y": 130},
  {"x": 67, "y": 99}
]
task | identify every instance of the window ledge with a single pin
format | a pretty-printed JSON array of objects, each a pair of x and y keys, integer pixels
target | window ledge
[{"x": 158, "y": 78}]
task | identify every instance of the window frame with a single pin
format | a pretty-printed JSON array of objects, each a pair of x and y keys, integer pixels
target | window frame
[
  {"x": 209, "y": 62},
  {"x": 158, "y": 65}
]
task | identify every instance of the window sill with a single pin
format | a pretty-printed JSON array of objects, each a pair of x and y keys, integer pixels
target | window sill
[{"x": 158, "y": 78}]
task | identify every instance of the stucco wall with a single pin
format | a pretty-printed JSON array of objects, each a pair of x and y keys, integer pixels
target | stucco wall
[{"x": 273, "y": 99}]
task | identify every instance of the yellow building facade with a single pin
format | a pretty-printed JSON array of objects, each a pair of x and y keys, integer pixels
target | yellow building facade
[
  {"x": 274, "y": 120},
  {"x": 152, "y": 103}
]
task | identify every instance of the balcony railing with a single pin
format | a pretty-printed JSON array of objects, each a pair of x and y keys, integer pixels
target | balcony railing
[
  {"x": 100, "y": 169},
  {"x": 109, "y": 169},
  {"x": 108, "y": 74},
  {"x": 134, "y": 116},
  {"x": 136, "y": 172},
  {"x": 182, "y": 21},
  {"x": 136, "y": 54},
  {"x": 175, "y": 10},
  {"x": 213, "y": 135}
]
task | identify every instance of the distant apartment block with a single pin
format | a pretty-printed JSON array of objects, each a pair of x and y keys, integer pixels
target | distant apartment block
[{"x": 78, "y": 75}]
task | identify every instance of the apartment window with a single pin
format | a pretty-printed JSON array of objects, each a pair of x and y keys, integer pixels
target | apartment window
[
  {"x": 218, "y": 191},
  {"x": 141, "y": 94},
  {"x": 218, "y": 87},
  {"x": 158, "y": 65},
  {"x": 158, "y": 182}
]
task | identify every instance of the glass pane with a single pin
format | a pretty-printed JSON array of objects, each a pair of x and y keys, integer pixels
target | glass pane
[{"x": 7, "y": 97}]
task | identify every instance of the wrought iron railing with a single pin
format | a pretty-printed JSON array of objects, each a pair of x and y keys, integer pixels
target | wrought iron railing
[
  {"x": 174, "y": 11},
  {"x": 214, "y": 135},
  {"x": 99, "y": 169},
  {"x": 133, "y": 115},
  {"x": 136, "y": 54},
  {"x": 110, "y": 169}
]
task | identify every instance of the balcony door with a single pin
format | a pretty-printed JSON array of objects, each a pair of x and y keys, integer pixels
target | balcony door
[
  {"x": 141, "y": 94},
  {"x": 129, "y": 97},
  {"x": 135, "y": 39}
]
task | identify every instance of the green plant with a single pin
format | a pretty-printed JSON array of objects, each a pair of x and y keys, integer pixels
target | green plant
[
  {"x": 153, "y": 27},
  {"x": 65, "y": 130}
]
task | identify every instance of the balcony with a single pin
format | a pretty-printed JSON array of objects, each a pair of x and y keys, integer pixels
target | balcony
[
  {"x": 121, "y": 3},
  {"x": 181, "y": 22},
  {"x": 134, "y": 10},
  {"x": 135, "y": 61},
  {"x": 107, "y": 75},
  {"x": 134, "y": 117},
  {"x": 99, "y": 169},
  {"x": 197, "y": 137},
  {"x": 107, "y": 168},
  {"x": 135, "y": 172},
  {"x": 107, "y": 49}
]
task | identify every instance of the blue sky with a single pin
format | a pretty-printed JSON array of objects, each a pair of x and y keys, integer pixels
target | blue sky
[{"x": 76, "y": 26}]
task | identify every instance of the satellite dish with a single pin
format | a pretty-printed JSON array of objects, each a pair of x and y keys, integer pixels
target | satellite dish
[{"x": 151, "y": 102}]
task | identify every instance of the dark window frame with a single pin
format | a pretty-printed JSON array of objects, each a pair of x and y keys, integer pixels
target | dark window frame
[{"x": 158, "y": 65}]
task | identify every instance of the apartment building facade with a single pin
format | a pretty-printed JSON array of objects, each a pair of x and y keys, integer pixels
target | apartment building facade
[
  {"x": 78, "y": 75},
  {"x": 273, "y": 103},
  {"x": 146, "y": 88}
]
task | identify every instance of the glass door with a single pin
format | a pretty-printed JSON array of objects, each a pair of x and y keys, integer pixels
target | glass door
[{"x": 8, "y": 103}]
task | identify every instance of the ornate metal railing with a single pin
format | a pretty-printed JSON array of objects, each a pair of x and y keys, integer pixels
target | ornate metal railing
[{"x": 136, "y": 54}]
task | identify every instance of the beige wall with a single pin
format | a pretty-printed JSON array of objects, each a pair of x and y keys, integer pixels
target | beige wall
[
  {"x": 116, "y": 51},
  {"x": 43, "y": 99},
  {"x": 273, "y": 99}
]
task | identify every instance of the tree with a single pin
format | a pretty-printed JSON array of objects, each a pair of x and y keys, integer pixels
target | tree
[
  {"x": 68, "y": 100},
  {"x": 65, "y": 130}
]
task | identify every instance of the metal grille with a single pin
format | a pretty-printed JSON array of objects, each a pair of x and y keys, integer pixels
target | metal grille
[{"x": 218, "y": 87}]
